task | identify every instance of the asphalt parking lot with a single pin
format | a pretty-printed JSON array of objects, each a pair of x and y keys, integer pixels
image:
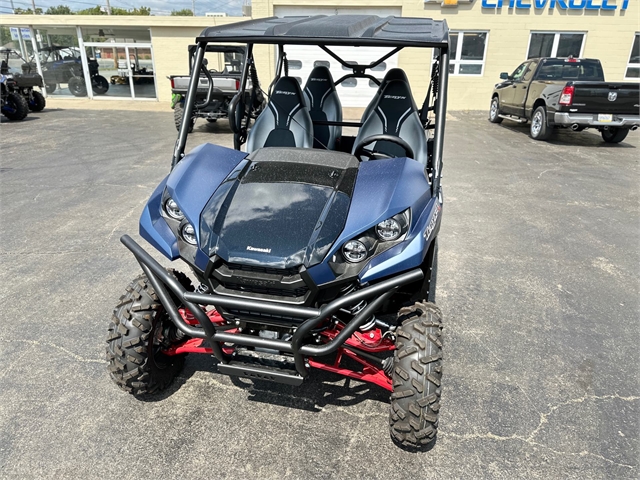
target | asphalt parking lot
[{"x": 538, "y": 283}]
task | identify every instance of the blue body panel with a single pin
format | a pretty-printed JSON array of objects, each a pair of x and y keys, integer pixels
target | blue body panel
[
  {"x": 383, "y": 189},
  {"x": 191, "y": 184},
  {"x": 196, "y": 177},
  {"x": 410, "y": 253},
  {"x": 154, "y": 229}
]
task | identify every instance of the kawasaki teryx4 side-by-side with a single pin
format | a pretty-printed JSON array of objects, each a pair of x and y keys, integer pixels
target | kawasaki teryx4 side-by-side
[{"x": 312, "y": 250}]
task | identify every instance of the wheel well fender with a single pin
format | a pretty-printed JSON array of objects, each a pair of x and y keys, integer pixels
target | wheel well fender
[{"x": 538, "y": 103}]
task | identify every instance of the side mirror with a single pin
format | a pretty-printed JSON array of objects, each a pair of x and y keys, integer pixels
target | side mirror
[{"x": 504, "y": 76}]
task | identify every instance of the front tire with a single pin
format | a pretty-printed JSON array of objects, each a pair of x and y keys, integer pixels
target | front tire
[
  {"x": 37, "y": 102},
  {"x": 614, "y": 135},
  {"x": 494, "y": 111},
  {"x": 137, "y": 337},
  {"x": 417, "y": 373},
  {"x": 17, "y": 107},
  {"x": 539, "y": 129}
]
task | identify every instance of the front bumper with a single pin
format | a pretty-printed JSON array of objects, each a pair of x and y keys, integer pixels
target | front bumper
[
  {"x": 310, "y": 318},
  {"x": 591, "y": 120}
]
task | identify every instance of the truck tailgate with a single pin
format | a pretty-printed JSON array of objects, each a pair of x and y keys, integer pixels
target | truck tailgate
[
  {"x": 224, "y": 84},
  {"x": 606, "y": 97}
]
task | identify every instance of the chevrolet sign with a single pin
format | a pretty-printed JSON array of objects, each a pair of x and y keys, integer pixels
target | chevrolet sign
[{"x": 560, "y": 4}]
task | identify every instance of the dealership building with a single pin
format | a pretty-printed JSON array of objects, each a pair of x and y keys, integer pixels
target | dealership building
[{"x": 487, "y": 37}]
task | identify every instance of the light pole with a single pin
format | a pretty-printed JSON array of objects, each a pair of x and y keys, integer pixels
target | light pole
[{"x": 193, "y": 7}]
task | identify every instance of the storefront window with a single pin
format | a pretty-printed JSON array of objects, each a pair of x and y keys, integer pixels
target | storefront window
[
  {"x": 61, "y": 61},
  {"x": 555, "y": 44},
  {"x": 468, "y": 52},
  {"x": 633, "y": 68},
  {"x": 120, "y": 62}
]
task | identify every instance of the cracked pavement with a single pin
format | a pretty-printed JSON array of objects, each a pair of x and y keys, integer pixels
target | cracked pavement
[{"x": 538, "y": 283}]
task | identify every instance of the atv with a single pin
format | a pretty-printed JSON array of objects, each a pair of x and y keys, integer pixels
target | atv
[
  {"x": 225, "y": 71},
  {"x": 24, "y": 82},
  {"x": 311, "y": 250},
  {"x": 13, "y": 105},
  {"x": 63, "y": 64}
]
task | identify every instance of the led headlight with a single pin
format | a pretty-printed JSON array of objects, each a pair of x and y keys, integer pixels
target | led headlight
[
  {"x": 354, "y": 251},
  {"x": 388, "y": 229},
  {"x": 171, "y": 207},
  {"x": 189, "y": 234}
]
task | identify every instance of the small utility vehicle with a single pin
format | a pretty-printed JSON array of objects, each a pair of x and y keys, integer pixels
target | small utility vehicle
[
  {"x": 312, "y": 250},
  {"x": 224, "y": 65},
  {"x": 12, "y": 104},
  {"x": 63, "y": 64},
  {"x": 24, "y": 81}
]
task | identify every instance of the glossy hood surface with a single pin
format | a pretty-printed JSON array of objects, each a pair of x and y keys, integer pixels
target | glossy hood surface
[{"x": 281, "y": 207}]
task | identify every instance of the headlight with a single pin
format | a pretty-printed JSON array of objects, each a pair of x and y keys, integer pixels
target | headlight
[
  {"x": 189, "y": 234},
  {"x": 388, "y": 229},
  {"x": 171, "y": 207},
  {"x": 354, "y": 251}
]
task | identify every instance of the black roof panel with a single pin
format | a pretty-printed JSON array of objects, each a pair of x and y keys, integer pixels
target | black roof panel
[{"x": 348, "y": 30}]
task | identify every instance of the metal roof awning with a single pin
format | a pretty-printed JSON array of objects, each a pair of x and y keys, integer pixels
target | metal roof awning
[{"x": 345, "y": 30}]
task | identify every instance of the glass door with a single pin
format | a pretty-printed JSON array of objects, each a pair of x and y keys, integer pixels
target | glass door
[{"x": 126, "y": 67}]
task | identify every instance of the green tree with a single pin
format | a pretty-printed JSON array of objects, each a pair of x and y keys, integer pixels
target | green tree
[
  {"x": 185, "y": 12},
  {"x": 27, "y": 11},
  {"x": 59, "y": 10},
  {"x": 98, "y": 10}
]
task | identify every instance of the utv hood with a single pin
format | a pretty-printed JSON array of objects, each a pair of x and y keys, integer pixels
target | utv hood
[{"x": 280, "y": 208}]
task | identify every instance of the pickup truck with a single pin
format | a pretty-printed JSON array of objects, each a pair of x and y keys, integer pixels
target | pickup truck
[
  {"x": 224, "y": 66},
  {"x": 566, "y": 93}
]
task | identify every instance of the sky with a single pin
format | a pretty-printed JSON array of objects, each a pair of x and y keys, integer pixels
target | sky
[{"x": 158, "y": 7}]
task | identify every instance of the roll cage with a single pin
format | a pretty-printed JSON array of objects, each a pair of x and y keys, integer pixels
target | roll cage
[{"x": 326, "y": 32}]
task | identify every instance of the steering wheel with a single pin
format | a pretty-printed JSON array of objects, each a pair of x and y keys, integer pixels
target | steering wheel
[{"x": 359, "y": 150}]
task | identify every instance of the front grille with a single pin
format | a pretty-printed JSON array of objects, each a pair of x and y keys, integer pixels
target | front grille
[
  {"x": 271, "y": 271},
  {"x": 278, "y": 292},
  {"x": 260, "y": 282}
]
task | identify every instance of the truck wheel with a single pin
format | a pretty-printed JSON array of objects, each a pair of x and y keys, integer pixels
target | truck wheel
[
  {"x": 77, "y": 87},
  {"x": 138, "y": 333},
  {"x": 51, "y": 87},
  {"x": 417, "y": 371},
  {"x": 37, "y": 102},
  {"x": 100, "y": 85},
  {"x": 614, "y": 135},
  {"x": 494, "y": 111},
  {"x": 178, "y": 113},
  {"x": 539, "y": 128},
  {"x": 16, "y": 107}
]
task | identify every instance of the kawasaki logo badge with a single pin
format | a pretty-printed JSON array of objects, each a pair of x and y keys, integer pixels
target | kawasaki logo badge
[
  {"x": 613, "y": 96},
  {"x": 256, "y": 249}
]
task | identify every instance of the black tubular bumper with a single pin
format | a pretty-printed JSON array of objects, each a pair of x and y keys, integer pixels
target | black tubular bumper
[{"x": 166, "y": 284}]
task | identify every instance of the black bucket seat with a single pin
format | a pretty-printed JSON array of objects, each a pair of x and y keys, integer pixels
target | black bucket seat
[
  {"x": 395, "y": 114},
  {"x": 324, "y": 105},
  {"x": 392, "y": 74},
  {"x": 285, "y": 122}
]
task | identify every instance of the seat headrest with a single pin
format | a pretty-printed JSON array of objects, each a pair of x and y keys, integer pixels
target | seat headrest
[
  {"x": 286, "y": 95},
  {"x": 395, "y": 105},
  {"x": 394, "y": 74},
  {"x": 319, "y": 83}
]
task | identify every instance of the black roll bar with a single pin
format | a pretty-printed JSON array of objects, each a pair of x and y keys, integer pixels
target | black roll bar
[
  {"x": 311, "y": 318},
  {"x": 441, "y": 114},
  {"x": 189, "y": 102}
]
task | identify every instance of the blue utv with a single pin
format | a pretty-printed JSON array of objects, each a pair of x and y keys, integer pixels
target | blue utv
[{"x": 311, "y": 249}]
